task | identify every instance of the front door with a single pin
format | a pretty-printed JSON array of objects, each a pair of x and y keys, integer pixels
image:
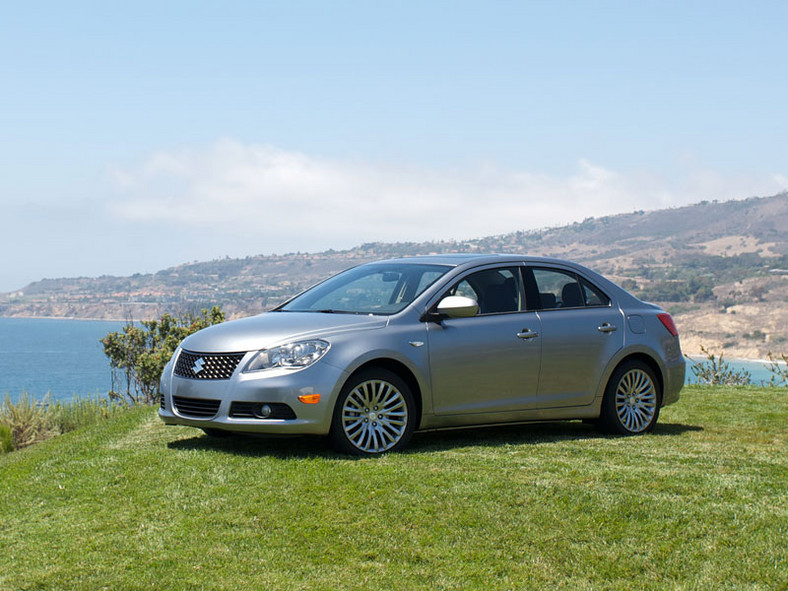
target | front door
[{"x": 490, "y": 362}]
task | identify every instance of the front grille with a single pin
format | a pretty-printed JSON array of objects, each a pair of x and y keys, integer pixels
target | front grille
[
  {"x": 199, "y": 408},
  {"x": 207, "y": 366},
  {"x": 251, "y": 410}
]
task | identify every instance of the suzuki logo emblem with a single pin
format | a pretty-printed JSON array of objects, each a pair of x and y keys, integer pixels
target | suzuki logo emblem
[{"x": 198, "y": 365}]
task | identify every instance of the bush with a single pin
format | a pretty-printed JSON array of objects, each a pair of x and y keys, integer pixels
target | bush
[
  {"x": 778, "y": 366},
  {"x": 28, "y": 421},
  {"x": 715, "y": 371},
  {"x": 138, "y": 354}
]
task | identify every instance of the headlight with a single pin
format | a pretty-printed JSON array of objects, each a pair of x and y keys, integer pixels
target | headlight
[{"x": 290, "y": 356}]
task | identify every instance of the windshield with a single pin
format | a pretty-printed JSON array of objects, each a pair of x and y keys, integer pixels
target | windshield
[{"x": 378, "y": 288}]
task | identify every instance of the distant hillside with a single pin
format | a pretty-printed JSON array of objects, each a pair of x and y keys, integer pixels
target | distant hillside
[{"x": 718, "y": 267}]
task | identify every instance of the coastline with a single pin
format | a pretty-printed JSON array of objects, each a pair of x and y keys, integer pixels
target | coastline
[{"x": 80, "y": 318}]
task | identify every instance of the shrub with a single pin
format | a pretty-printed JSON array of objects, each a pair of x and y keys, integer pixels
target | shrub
[
  {"x": 778, "y": 366},
  {"x": 27, "y": 420},
  {"x": 138, "y": 354},
  {"x": 715, "y": 371}
]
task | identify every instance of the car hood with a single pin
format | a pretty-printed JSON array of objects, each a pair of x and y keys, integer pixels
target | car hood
[{"x": 274, "y": 328}]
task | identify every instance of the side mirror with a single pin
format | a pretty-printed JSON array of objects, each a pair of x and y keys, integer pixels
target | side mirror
[{"x": 458, "y": 307}]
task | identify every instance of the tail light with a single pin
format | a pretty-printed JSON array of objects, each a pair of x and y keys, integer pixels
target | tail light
[{"x": 667, "y": 322}]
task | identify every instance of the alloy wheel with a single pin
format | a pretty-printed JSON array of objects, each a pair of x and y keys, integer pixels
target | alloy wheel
[
  {"x": 636, "y": 400},
  {"x": 374, "y": 416}
]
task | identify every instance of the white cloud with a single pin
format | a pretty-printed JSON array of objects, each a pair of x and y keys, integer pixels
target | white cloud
[
  {"x": 781, "y": 181},
  {"x": 293, "y": 201}
]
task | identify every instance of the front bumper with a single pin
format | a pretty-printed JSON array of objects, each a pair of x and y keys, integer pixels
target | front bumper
[{"x": 184, "y": 400}]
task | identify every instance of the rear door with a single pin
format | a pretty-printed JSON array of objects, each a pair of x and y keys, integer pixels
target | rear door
[{"x": 581, "y": 332}]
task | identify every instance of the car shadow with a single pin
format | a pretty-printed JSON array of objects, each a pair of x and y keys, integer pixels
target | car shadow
[
  {"x": 425, "y": 442},
  {"x": 524, "y": 434},
  {"x": 306, "y": 446}
]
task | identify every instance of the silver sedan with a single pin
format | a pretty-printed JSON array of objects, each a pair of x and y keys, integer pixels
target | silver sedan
[{"x": 381, "y": 350}]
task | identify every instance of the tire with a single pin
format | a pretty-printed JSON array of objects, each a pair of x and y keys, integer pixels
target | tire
[
  {"x": 374, "y": 414},
  {"x": 632, "y": 400}
]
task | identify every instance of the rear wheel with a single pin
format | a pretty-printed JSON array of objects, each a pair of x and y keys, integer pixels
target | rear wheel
[
  {"x": 374, "y": 414},
  {"x": 632, "y": 399}
]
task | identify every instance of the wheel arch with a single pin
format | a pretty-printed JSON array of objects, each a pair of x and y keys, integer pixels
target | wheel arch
[
  {"x": 402, "y": 371},
  {"x": 650, "y": 361}
]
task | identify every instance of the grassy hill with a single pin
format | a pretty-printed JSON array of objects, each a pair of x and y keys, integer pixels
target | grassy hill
[
  {"x": 132, "y": 504},
  {"x": 720, "y": 268}
]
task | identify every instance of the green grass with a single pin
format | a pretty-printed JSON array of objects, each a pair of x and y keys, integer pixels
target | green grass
[{"x": 131, "y": 504}]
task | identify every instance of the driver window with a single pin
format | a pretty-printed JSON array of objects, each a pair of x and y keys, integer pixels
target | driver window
[
  {"x": 463, "y": 288},
  {"x": 495, "y": 290}
]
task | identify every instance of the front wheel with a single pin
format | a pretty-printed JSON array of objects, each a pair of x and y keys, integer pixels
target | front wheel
[
  {"x": 632, "y": 399},
  {"x": 374, "y": 414}
]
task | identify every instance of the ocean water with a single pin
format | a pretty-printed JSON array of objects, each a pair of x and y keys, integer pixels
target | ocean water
[
  {"x": 759, "y": 370},
  {"x": 57, "y": 356},
  {"x": 65, "y": 358}
]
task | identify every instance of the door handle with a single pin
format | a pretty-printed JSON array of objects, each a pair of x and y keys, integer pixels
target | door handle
[
  {"x": 607, "y": 327},
  {"x": 527, "y": 333}
]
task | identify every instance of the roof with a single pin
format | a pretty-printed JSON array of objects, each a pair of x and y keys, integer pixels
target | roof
[{"x": 459, "y": 259}]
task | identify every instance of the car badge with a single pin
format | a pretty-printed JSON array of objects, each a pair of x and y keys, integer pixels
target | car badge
[{"x": 198, "y": 366}]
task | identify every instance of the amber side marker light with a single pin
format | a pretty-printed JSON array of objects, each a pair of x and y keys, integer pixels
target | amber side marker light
[
  {"x": 309, "y": 398},
  {"x": 667, "y": 322}
]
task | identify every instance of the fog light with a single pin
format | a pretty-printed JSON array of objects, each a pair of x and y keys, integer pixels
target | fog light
[
  {"x": 309, "y": 398},
  {"x": 263, "y": 411}
]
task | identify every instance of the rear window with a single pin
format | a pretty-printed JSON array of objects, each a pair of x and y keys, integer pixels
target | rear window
[{"x": 564, "y": 289}]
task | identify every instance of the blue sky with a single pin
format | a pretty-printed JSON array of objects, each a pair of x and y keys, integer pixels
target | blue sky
[{"x": 139, "y": 137}]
